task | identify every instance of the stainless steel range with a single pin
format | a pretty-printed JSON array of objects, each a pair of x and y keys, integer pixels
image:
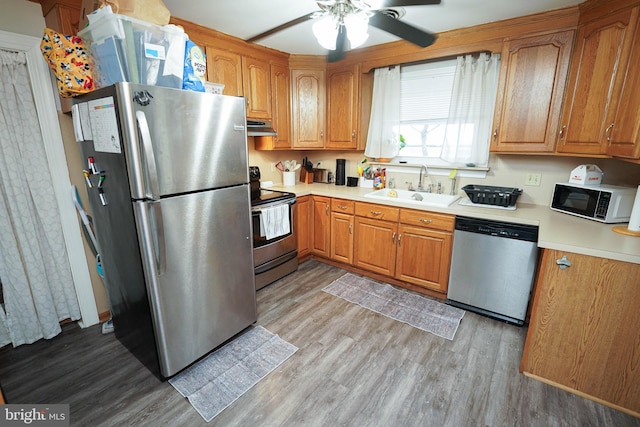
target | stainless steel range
[{"x": 275, "y": 245}]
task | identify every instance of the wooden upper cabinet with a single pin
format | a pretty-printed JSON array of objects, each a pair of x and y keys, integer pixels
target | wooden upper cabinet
[
  {"x": 343, "y": 107},
  {"x": 257, "y": 87},
  {"x": 62, "y": 16},
  {"x": 225, "y": 67},
  {"x": 625, "y": 132},
  {"x": 532, "y": 81},
  {"x": 281, "y": 105},
  {"x": 308, "y": 104},
  {"x": 600, "y": 59}
]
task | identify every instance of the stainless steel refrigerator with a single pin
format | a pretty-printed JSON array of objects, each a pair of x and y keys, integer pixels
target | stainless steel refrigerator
[{"x": 168, "y": 185}]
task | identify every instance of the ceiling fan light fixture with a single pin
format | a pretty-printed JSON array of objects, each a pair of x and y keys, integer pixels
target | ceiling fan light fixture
[
  {"x": 326, "y": 31},
  {"x": 357, "y": 25}
]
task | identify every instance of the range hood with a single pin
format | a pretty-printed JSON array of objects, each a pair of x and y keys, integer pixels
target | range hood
[{"x": 260, "y": 128}]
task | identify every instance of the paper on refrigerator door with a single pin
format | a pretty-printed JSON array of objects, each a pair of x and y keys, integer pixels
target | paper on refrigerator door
[{"x": 104, "y": 125}]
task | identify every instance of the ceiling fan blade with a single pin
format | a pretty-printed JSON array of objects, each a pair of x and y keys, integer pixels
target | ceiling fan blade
[
  {"x": 379, "y": 4},
  {"x": 402, "y": 30},
  {"x": 281, "y": 27},
  {"x": 341, "y": 45}
]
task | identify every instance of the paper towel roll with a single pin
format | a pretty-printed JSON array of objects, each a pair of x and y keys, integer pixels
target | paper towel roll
[{"x": 634, "y": 220}]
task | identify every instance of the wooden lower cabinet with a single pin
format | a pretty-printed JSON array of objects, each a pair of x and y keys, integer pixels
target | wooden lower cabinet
[
  {"x": 342, "y": 232},
  {"x": 584, "y": 333},
  {"x": 375, "y": 247},
  {"x": 409, "y": 245},
  {"x": 342, "y": 237},
  {"x": 321, "y": 229},
  {"x": 423, "y": 257},
  {"x": 303, "y": 224}
]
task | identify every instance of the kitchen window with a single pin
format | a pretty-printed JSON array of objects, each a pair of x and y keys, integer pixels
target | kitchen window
[{"x": 445, "y": 111}]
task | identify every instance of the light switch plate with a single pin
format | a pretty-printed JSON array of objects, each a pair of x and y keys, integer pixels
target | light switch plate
[{"x": 533, "y": 179}]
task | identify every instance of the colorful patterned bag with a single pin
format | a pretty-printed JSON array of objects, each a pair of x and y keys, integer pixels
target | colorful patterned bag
[{"x": 70, "y": 60}]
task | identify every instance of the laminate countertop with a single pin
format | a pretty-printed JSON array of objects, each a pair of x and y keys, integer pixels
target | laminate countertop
[{"x": 556, "y": 230}]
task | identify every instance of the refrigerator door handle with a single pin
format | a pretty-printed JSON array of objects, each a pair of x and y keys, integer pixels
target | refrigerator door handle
[
  {"x": 160, "y": 246},
  {"x": 153, "y": 189},
  {"x": 151, "y": 233}
]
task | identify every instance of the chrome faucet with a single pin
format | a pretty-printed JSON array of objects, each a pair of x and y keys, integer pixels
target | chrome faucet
[
  {"x": 453, "y": 187},
  {"x": 420, "y": 187},
  {"x": 439, "y": 190}
]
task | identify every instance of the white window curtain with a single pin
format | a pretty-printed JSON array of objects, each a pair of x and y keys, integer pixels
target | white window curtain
[
  {"x": 473, "y": 99},
  {"x": 383, "y": 139},
  {"x": 34, "y": 268}
]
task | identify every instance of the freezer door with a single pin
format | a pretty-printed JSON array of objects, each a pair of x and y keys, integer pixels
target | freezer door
[
  {"x": 197, "y": 257},
  {"x": 179, "y": 141}
]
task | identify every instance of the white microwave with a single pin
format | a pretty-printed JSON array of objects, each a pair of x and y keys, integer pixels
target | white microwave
[{"x": 604, "y": 203}]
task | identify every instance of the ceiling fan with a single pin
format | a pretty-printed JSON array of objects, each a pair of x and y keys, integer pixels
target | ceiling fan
[{"x": 339, "y": 21}]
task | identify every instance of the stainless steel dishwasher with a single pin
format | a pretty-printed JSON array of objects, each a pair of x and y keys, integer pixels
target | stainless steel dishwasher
[{"x": 493, "y": 266}]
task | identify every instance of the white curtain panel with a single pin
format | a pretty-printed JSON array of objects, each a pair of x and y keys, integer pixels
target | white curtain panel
[
  {"x": 473, "y": 100},
  {"x": 36, "y": 276},
  {"x": 383, "y": 139}
]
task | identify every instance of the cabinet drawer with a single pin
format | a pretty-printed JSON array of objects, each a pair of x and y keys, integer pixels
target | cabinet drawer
[
  {"x": 342, "y": 205},
  {"x": 433, "y": 220},
  {"x": 369, "y": 210}
]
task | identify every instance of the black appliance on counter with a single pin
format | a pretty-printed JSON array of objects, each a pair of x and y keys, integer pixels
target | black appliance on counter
[{"x": 275, "y": 245}]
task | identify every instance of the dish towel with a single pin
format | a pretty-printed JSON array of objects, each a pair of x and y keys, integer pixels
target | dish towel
[{"x": 274, "y": 221}]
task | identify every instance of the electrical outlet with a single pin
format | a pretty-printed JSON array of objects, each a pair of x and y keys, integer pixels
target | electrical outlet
[
  {"x": 533, "y": 179},
  {"x": 273, "y": 167}
]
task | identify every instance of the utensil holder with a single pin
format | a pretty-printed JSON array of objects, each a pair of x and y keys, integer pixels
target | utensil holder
[{"x": 289, "y": 178}]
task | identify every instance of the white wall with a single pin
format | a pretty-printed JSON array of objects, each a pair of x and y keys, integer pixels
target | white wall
[
  {"x": 22, "y": 17},
  {"x": 506, "y": 170}
]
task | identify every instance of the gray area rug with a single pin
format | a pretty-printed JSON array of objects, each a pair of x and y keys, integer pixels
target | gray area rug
[
  {"x": 420, "y": 312},
  {"x": 219, "y": 379}
]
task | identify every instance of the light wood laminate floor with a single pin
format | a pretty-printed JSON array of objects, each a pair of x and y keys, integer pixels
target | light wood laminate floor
[{"x": 353, "y": 368}]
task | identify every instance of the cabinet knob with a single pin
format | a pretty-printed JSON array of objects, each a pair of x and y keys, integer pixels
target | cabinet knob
[
  {"x": 606, "y": 132},
  {"x": 350, "y": 228},
  {"x": 425, "y": 221},
  {"x": 375, "y": 212},
  {"x": 326, "y": 210},
  {"x": 495, "y": 134},
  {"x": 393, "y": 238},
  {"x": 563, "y": 262},
  {"x": 353, "y": 134},
  {"x": 341, "y": 207},
  {"x": 564, "y": 127},
  {"x": 399, "y": 238}
]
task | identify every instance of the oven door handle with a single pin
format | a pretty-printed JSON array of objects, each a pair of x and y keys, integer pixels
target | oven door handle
[{"x": 270, "y": 205}]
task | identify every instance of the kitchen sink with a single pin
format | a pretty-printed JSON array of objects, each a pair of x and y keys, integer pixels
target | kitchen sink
[{"x": 413, "y": 197}]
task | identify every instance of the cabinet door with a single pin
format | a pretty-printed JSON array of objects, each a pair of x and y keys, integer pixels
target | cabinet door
[
  {"x": 321, "y": 233},
  {"x": 600, "y": 57},
  {"x": 281, "y": 105},
  {"x": 225, "y": 67},
  {"x": 308, "y": 101},
  {"x": 342, "y": 108},
  {"x": 304, "y": 216},
  {"x": 423, "y": 257},
  {"x": 375, "y": 245},
  {"x": 583, "y": 333},
  {"x": 64, "y": 15},
  {"x": 257, "y": 87},
  {"x": 342, "y": 237},
  {"x": 532, "y": 82},
  {"x": 625, "y": 133}
]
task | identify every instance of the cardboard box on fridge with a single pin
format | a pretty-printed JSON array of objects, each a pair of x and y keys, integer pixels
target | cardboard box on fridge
[
  {"x": 153, "y": 11},
  {"x": 86, "y": 8}
]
